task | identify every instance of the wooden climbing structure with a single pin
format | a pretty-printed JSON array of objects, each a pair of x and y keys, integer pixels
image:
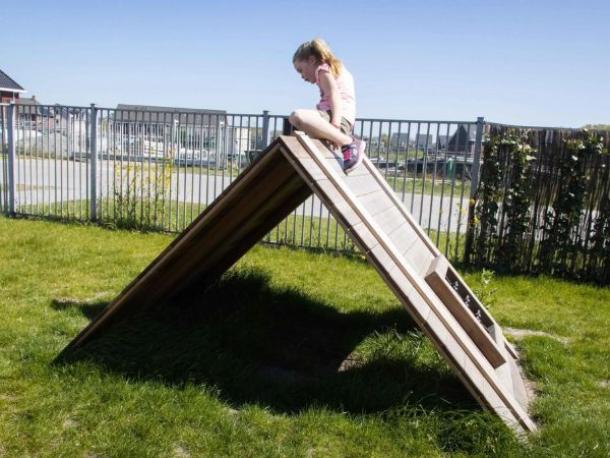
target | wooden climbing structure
[{"x": 430, "y": 289}]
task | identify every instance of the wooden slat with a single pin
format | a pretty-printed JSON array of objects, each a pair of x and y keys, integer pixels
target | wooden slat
[
  {"x": 403, "y": 237},
  {"x": 376, "y": 200},
  {"x": 419, "y": 257},
  {"x": 362, "y": 184},
  {"x": 388, "y": 219},
  {"x": 436, "y": 279}
]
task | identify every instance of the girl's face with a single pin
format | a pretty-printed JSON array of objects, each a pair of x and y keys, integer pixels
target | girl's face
[{"x": 307, "y": 68}]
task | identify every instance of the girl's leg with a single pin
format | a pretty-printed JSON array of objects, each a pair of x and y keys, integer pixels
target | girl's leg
[{"x": 310, "y": 122}]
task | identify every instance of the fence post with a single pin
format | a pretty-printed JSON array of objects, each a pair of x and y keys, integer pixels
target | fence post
[
  {"x": 11, "y": 158},
  {"x": 93, "y": 170},
  {"x": 265, "y": 129},
  {"x": 474, "y": 184},
  {"x": 476, "y": 160}
]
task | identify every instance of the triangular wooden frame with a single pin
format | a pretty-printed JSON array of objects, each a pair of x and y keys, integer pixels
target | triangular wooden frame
[{"x": 434, "y": 294}]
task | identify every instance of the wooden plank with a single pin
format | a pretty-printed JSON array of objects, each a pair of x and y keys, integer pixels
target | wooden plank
[
  {"x": 300, "y": 158},
  {"x": 504, "y": 373},
  {"x": 361, "y": 185},
  {"x": 389, "y": 219},
  {"x": 419, "y": 257},
  {"x": 375, "y": 199},
  {"x": 403, "y": 237},
  {"x": 400, "y": 205},
  {"x": 435, "y": 277}
]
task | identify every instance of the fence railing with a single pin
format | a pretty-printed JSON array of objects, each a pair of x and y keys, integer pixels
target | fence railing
[
  {"x": 4, "y": 184},
  {"x": 157, "y": 170},
  {"x": 464, "y": 182}
]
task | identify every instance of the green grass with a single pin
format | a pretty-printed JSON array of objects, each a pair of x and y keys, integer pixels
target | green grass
[
  {"x": 397, "y": 180},
  {"x": 296, "y": 230},
  {"x": 437, "y": 187},
  {"x": 231, "y": 168},
  {"x": 251, "y": 367}
]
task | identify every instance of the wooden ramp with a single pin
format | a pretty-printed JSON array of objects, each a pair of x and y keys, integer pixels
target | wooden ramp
[{"x": 434, "y": 294}]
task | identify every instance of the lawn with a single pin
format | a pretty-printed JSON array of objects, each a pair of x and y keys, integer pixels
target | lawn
[
  {"x": 297, "y": 230},
  {"x": 291, "y": 354},
  {"x": 447, "y": 188}
]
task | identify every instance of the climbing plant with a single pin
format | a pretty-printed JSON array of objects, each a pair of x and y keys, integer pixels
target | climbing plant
[
  {"x": 517, "y": 156},
  {"x": 563, "y": 215},
  {"x": 542, "y": 204},
  {"x": 485, "y": 222}
]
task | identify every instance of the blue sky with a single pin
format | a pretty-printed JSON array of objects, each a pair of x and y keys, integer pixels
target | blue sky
[{"x": 537, "y": 62}]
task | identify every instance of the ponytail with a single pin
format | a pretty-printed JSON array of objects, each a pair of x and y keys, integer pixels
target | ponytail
[{"x": 320, "y": 50}]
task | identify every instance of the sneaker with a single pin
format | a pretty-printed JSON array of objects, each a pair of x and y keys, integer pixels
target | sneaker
[{"x": 353, "y": 155}]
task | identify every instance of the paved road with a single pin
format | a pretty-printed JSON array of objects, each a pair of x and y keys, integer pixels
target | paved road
[{"x": 45, "y": 181}]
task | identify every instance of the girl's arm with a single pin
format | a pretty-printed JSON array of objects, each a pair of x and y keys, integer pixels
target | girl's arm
[{"x": 329, "y": 86}]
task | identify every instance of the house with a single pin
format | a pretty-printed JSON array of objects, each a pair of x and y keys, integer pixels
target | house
[
  {"x": 10, "y": 90},
  {"x": 29, "y": 108},
  {"x": 190, "y": 129},
  {"x": 463, "y": 139},
  {"x": 399, "y": 141},
  {"x": 422, "y": 141},
  {"x": 167, "y": 115},
  {"x": 155, "y": 121},
  {"x": 442, "y": 141}
]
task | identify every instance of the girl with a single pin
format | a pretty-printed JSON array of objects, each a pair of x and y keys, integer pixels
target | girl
[{"x": 336, "y": 112}]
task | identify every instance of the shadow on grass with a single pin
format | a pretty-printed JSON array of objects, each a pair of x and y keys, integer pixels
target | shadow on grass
[
  {"x": 276, "y": 348},
  {"x": 89, "y": 309}
]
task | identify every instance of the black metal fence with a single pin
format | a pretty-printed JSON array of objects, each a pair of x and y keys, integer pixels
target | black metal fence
[
  {"x": 520, "y": 199},
  {"x": 4, "y": 180},
  {"x": 158, "y": 169}
]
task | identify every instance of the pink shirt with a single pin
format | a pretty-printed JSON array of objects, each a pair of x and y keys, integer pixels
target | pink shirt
[{"x": 345, "y": 84}]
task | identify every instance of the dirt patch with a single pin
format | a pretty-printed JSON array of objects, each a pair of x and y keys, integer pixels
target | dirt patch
[
  {"x": 181, "y": 452},
  {"x": 350, "y": 362},
  {"x": 521, "y": 333},
  {"x": 70, "y": 423}
]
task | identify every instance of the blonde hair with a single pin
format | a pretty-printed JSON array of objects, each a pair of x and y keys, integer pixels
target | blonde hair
[{"x": 320, "y": 50}]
